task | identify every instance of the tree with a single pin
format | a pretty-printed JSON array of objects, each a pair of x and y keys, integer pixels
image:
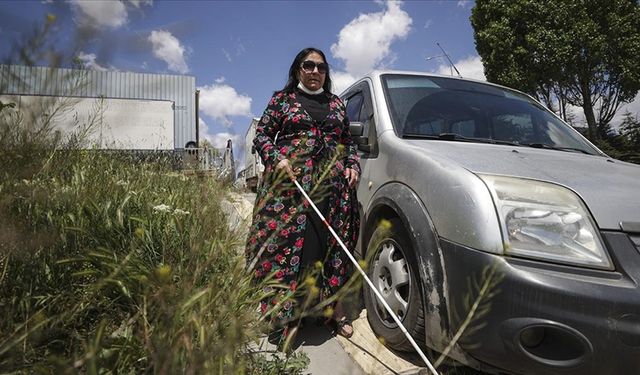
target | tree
[
  {"x": 578, "y": 52},
  {"x": 630, "y": 129}
]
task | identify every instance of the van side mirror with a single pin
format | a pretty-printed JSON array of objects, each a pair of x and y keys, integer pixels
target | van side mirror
[
  {"x": 356, "y": 129},
  {"x": 360, "y": 134}
]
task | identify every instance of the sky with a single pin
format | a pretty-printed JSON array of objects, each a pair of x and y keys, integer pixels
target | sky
[{"x": 240, "y": 51}]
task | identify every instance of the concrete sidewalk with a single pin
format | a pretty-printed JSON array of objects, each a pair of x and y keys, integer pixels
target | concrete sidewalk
[
  {"x": 367, "y": 351},
  {"x": 361, "y": 354},
  {"x": 326, "y": 355}
]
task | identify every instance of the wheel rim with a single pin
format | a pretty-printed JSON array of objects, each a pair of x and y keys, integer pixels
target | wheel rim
[{"x": 392, "y": 279}]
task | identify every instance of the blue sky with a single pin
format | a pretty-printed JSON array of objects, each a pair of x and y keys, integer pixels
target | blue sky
[{"x": 240, "y": 51}]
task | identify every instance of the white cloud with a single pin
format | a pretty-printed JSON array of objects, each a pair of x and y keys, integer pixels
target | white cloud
[
  {"x": 633, "y": 107},
  {"x": 226, "y": 54},
  {"x": 365, "y": 42},
  {"x": 463, "y": 3},
  {"x": 167, "y": 47},
  {"x": 89, "y": 61},
  {"x": 100, "y": 13},
  {"x": 219, "y": 140},
  {"x": 428, "y": 24},
  {"x": 341, "y": 81},
  {"x": 103, "y": 13},
  {"x": 471, "y": 67},
  {"x": 137, "y": 3},
  {"x": 203, "y": 127},
  {"x": 240, "y": 49},
  {"x": 220, "y": 101},
  {"x": 576, "y": 115}
]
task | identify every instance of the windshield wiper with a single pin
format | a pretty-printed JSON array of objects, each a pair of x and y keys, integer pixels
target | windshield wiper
[
  {"x": 551, "y": 147},
  {"x": 459, "y": 138}
]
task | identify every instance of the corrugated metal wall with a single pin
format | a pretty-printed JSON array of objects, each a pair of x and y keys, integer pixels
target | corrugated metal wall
[{"x": 26, "y": 80}]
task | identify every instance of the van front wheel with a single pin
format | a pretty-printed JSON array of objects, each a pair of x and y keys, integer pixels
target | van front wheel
[{"x": 393, "y": 270}]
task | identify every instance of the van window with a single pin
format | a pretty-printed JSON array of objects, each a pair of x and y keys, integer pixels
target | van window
[
  {"x": 433, "y": 106},
  {"x": 354, "y": 104}
]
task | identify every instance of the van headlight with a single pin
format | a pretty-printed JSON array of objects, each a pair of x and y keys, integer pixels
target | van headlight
[{"x": 546, "y": 221}]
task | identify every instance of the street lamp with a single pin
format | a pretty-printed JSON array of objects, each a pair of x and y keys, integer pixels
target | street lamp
[{"x": 436, "y": 57}]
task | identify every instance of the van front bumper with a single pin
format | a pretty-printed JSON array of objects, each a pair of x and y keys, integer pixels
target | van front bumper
[{"x": 544, "y": 318}]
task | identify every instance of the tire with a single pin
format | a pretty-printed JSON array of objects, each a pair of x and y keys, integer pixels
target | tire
[{"x": 393, "y": 269}]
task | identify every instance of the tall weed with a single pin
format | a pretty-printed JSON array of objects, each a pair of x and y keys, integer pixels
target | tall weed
[{"x": 111, "y": 264}]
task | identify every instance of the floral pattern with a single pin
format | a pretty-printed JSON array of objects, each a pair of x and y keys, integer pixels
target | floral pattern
[{"x": 315, "y": 149}]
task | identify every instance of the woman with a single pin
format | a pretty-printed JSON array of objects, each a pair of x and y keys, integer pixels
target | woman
[{"x": 304, "y": 135}]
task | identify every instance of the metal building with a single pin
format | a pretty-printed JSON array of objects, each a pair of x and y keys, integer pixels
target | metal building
[{"x": 176, "y": 93}]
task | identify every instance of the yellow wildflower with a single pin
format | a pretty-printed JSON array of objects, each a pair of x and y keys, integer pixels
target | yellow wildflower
[
  {"x": 310, "y": 281},
  {"x": 385, "y": 224},
  {"x": 328, "y": 312},
  {"x": 163, "y": 272}
]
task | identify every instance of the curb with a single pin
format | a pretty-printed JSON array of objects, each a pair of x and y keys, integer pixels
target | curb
[{"x": 368, "y": 352}]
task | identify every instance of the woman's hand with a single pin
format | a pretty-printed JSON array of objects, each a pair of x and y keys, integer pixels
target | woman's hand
[
  {"x": 352, "y": 176},
  {"x": 286, "y": 165}
]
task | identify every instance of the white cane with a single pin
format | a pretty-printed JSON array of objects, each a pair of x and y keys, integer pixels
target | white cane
[{"x": 375, "y": 290}]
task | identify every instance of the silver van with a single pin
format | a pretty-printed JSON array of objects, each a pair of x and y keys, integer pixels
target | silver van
[{"x": 481, "y": 209}]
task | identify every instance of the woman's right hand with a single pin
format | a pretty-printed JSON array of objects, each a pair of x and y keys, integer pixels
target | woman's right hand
[{"x": 286, "y": 165}]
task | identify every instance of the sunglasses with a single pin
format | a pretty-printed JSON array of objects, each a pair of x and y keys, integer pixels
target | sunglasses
[{"x": 309, "y": 66}]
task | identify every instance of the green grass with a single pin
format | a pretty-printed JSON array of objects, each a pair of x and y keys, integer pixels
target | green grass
[{"x": 109, "y": 264}]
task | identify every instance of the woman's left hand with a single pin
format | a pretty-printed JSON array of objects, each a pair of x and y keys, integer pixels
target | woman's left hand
[{"x": 352, "y": 176}]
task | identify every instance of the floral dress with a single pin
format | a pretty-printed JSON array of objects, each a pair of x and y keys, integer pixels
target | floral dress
[{"x": 320, "y": 151}]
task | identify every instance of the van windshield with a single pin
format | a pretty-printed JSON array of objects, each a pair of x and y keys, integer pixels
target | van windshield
[{"x": 458, "y": 110}]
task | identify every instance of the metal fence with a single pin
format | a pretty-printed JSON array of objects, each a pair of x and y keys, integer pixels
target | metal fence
[
  {"x": 216, "y": 162},
  {"x": 213, "y": 160}
]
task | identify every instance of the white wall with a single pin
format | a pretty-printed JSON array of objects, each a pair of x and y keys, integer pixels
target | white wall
[{"x": 109, "y": 123}]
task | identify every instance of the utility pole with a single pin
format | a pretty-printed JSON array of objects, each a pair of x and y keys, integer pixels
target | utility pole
[{"x": 197, "y": 118}]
